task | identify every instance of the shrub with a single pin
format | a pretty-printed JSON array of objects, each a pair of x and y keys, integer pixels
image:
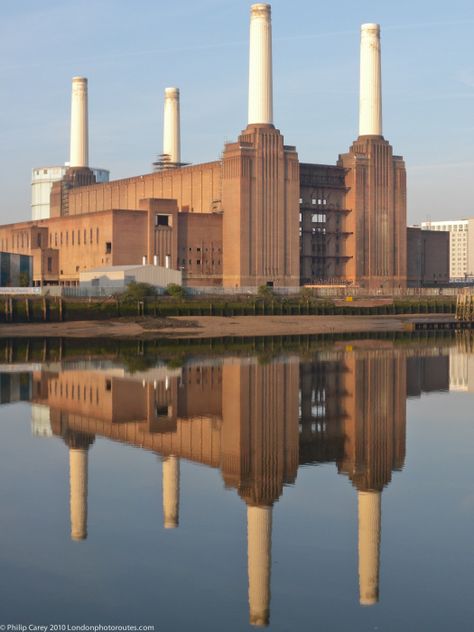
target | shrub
[
  {"x": 175, "y": 290},
  {"x": 265, "y": 292},
  {"x": 138, "y": 291}
]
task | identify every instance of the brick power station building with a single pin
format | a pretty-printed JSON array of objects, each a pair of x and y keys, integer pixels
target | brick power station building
[{"x": 255, "y": 217}]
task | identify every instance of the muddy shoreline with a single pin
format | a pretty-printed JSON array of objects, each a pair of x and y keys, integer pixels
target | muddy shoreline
[{"x": 218, "y": 326}]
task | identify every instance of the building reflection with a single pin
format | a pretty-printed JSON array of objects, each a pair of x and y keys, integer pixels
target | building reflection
[{"x": 255, "y": 421}]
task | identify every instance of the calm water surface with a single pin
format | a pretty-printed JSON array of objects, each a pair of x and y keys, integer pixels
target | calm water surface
[{"x": 327, "y": 489}]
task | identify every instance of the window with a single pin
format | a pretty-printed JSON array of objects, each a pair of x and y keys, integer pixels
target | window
[
  {"x": 72, "y": 237},
  {"x": 198, "y": 261},
  {"x": 50, "y": 264},
  {"x": 96, "y": 235},
  {"x": 85, "y": 236},
  {"x": 38, "y": 240},
  {"x": 163, "y": 220},
  {"x": 108, "y": 247},
  {"x": 78, "y": 237}
]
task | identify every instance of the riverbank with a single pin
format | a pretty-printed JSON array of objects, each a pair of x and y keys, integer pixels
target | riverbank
[{"x": 218, "y": 326}]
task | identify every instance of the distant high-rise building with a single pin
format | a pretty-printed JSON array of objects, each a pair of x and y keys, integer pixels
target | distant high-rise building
[{"x": 461, "y": 246}]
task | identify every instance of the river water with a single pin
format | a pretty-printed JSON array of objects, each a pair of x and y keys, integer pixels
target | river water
[{"x": 328, "y": 487}]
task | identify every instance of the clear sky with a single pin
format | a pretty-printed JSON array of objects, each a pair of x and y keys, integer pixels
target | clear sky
[{"x": 130, "y": 50}]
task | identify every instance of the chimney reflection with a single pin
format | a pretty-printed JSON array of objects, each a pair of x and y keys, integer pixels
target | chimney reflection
[
  {"x": 170, "y": 466},
  {"x": 374, "y": 446},
  {"x": 256, "y": 421},
  {"x": 78, "y": 444}
]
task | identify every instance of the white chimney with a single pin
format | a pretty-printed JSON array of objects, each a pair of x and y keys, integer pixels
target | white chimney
[
  {"x": 369, "y": 546},
  {"x": 155, "y": 260},
  {"x": 168, "y": 261},
  {"x": 171, "y": 126},
  {"x": 260, "y": 65},
  {"x": 78, "y": 460},
  {"x": 171, "y": 492},
  {"x": 370, "y": 107},
  {"x": 259, "y": 552},
  {"x": 79, "y": 150},
  {"x": 144, "y": 260}
]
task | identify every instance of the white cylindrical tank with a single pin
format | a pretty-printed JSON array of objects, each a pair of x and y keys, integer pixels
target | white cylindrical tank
[{"x": 42, "y": 179}]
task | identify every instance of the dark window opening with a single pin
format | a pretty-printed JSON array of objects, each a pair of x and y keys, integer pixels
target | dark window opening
[
  {"x": 162, "y": 220},
  {"x": 108, "y": 247}
]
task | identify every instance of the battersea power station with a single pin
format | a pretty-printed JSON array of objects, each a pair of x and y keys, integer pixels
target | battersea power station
[{"x": 256, "y": 216}]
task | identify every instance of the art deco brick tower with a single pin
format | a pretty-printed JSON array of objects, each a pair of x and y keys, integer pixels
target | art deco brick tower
[
  {"x": 376, "y": 182},
  {"x": 260, "y": 183}
]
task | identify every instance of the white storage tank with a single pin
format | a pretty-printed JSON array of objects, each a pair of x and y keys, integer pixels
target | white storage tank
[{"x": 42, "y": 181}]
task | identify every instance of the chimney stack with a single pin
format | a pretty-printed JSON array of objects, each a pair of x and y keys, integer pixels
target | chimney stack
[
  {"x": 171, "y": 491},
  {"x": 260, "y": 66},
  {"x": 171, "y": 127},
  {"x": 370, "y": 108},
  {"x": 259, "y": 552},
  {"x": 79, "y": 150},
  {"x": 369, "y": 546},
  {"x": 78, "y": 459}
]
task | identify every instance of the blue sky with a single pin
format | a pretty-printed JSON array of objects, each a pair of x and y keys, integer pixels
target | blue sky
[{"x": 131, "y": 50}]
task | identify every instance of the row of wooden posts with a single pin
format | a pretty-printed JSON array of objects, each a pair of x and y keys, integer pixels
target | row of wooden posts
[{"x": 9, "y": 311}]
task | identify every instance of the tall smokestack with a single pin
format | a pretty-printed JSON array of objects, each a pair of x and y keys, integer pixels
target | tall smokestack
[
  {"x": 78, "y": 459},
  {"x": 171, "y": 126},
  {"x": 259, "y": 552},
  {"x": 79, "y": 156},
  {"x": 171, "y": 492},
  {"x": 260, "y": 65},
  {"x": 369, "y": 547},
  {"x": 370, "y": 109}
]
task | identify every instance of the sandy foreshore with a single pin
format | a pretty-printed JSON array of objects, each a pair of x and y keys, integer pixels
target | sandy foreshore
[{"x": 218, "y": 326}]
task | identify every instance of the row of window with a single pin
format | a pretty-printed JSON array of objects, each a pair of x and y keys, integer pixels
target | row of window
[
  {"x": 199, "y": 249},
  {"x": 198, "y": 262},
  {"x": 58, "y": 239},
  {"x": 450, "y": 228},
  {"x": 77, "y": 392},
  {"x": 316, "y": 201}
]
